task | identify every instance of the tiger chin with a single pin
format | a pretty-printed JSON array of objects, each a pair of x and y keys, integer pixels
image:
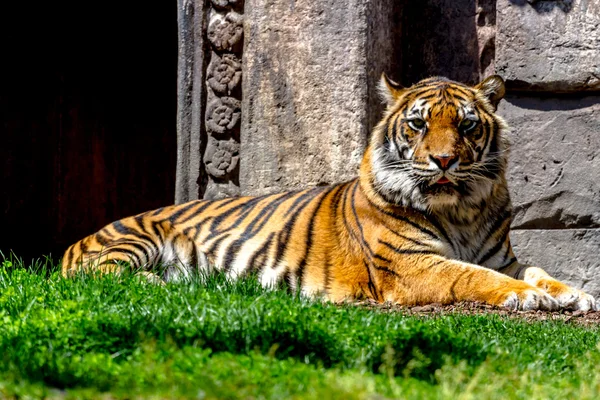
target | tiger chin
[{"x": 426, "y": 221}]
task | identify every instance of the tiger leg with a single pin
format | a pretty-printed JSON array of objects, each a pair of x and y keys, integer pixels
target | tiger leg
[
  {"x": 567, "y": 296},
  {"x": 435, "y": 279}
]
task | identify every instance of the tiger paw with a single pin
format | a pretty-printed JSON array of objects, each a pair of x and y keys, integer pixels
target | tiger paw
[
  {"x": 529, "y": 298},
  {"x": 568, "y": 297}
]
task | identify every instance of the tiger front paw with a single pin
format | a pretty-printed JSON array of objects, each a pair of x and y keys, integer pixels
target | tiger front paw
[
  {"x": 529, "y": 298},
  {"x": 568, "y": 297}
]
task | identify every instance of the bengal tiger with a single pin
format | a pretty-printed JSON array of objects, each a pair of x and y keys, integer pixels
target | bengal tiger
[{"x": 426, "y": 221}]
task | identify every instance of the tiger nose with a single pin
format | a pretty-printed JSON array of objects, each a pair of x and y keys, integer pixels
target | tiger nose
[{"x": 444, "y": 161}]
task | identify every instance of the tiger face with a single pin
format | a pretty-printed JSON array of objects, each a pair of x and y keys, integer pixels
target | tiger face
[{"x": 440, "y": 144}]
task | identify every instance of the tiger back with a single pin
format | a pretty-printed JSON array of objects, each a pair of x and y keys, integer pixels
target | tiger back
[{"x": 427, "y": 219}]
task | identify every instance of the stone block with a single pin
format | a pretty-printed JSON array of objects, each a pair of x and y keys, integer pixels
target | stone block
[
  {"x": 549, "y": 45},
  {"x": 554, "y": 167},
  {"x": 570, "y": 255},
  {"x": 310, "y": 70}
]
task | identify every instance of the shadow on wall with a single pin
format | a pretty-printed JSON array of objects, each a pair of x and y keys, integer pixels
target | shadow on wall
[
  {"x": 551, "y": 101},
  {"x": 545, "y": 6},
  {"x": 451, "y": 38}
]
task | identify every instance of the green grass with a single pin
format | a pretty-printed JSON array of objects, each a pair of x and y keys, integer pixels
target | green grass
[{"x": 124, "y": 338}]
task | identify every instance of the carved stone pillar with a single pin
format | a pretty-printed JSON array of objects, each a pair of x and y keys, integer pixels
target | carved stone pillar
[
  {"x": 209, "y": 97},
  {"x": 222, "y": 117}
]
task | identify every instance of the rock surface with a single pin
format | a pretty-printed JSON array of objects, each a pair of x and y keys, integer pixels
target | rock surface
[
  {"x": 554, "y": 162},
  {"x": 570, "y": 255},
  {"x": 549, "y": 45},
  {"x": 309, "y": 71}
]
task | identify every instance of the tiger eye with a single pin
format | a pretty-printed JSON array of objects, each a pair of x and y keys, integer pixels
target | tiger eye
[
  {"x": 416, "y": 124},
  {"x": 467, "y": 124}
]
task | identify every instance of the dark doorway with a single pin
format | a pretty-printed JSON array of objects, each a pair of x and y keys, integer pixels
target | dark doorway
[{"x": 87, "y": 117}]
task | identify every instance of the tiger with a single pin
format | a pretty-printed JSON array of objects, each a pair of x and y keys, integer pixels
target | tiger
[{"x": 426, "y": 220}]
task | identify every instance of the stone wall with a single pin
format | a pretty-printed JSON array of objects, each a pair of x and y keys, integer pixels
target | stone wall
[
  {"x": 307, "y": 100},
  {"x": 310, "y": 73},
  {"x": 549, "y": 53}
]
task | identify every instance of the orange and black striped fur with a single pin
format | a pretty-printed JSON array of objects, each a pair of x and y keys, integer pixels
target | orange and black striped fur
[{"x": 427, "y": 220}]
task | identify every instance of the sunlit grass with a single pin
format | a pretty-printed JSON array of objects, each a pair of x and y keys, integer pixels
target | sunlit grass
[{"x": 122, "y": 337}]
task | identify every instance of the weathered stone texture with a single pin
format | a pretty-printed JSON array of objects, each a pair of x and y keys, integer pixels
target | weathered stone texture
[
  {"x": 308, "y": 75},
  {"x": 190, "y": 99},
  {"x": 555, "y": 161},
  {"x": 549, "y": 45},
  {"x": 570, "y": 255},
  {"x": 225, "y": 31}
]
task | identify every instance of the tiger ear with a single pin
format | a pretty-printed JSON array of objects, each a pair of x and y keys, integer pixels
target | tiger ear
[
  {"x": 493, "y": 88},
  {"x": 389, "y": 90}
]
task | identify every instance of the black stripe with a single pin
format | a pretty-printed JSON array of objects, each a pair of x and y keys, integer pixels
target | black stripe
[
  {"x": 143, "y": 236},
  {"x": 195, "y": 213},
  {"x": 309, "y": 237},
  {"x": 426, "y": 97},
  {"x": 460, "y": 97},
  {"x": 487, "y": 131},
  {"x": 182, "y": 210},
  {"x": 404, "y": 219},
  {"x": 497, "y": 247},
  {"x": 297, "y": 207},
  {"x": 461, "y": 91},
  {"x": 224, "y": 202},
  {"x": 456, "y": 281},
  {"x": 333, "y": 206},
  {"x": 381, "y": 258},
  {"x": 394, "y": 124},
  {"x": 405, "y": 251},
  {"x": 414, "y": 241},
  {"x": 260, "y": 253},
  {"x": 216, "y": 243},
  {"x": 367, "y": 250},
  {"x": 309, "y": 193},
  {"x": 157, "y": 232},
  {"x": 495, "y": 226},
  {"x": 438, "y": 226},
  {"x": 386, "y": 269},
  {"x": 67, "y": 260},
  {"x": 102, "y": 240},
  {"x": 157, "y": 211},
  {"x": 266, "y": 214},
  {"x": 249, "y": 232},
  {"x": 287, "y": 279},
  {"x": 506, "y": 253},
  {"x": 193, "y": 257},
  {"x": 358, "y": 224},
  {"x": 245, "y": 208},
  {"x": 83, "y": 246},
  {"x": 122, "y": 229},
  {"x": 133, "y": 256},
  {"x": 107, "y": 232},
  {"x": 371, "y": 283},
  {"x": 134, "y": 259}
]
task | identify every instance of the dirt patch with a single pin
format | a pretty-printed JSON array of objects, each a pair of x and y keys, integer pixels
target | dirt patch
[{"x": 588, "y": 318}]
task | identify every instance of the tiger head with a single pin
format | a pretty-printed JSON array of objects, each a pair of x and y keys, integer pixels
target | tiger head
[{"x": 439, "y": 144}]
